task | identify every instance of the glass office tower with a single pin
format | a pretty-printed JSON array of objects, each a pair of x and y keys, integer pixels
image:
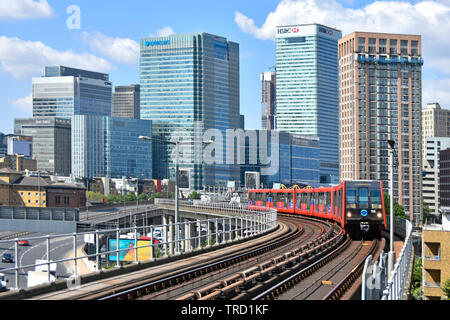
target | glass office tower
[
  {"x": 307, "y": 89},
  {"x": 64, "y": 92},
  {"x": 51, "y": 142},
  {"x": 190, "y": 82},
  {"x": 105, "y": 146},
  {"x": 297, "y": 158}
]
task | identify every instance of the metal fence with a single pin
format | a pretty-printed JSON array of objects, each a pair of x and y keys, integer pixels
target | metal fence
[
  {"x": 235, "y": 224},
  {"x": 375, "y": 284},
  {"x": 396, "y": 284}
]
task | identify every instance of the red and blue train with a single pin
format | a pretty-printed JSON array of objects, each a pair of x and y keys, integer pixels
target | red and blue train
[{"x": 357, "y": 206}]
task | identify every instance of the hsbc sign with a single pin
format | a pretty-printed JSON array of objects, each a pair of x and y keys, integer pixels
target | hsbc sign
[{"x": 288, "y": 30}]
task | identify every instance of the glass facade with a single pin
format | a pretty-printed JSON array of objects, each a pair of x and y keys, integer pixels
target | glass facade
[
  {"x": 190, "y": 82},
  {"x": 105, "y": 146},
  {"x": 127, "y": 102},
  {"x": 51, "y": 142},
  {"x": 3, "y": 144},
  {"x": 125, "y": 154},
  {"x": 297, "y": 157},
  {"x": 64, "y": 92},
  {"x": 307, "y": 89}
]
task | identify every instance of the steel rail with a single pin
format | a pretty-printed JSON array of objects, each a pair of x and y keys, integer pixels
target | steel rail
[
  {"x": 288, "y": 282},
  {"x": 181, "y": 276},
  {"x": 341, "y": 288}
]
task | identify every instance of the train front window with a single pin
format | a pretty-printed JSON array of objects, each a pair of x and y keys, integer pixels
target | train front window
[
  {"x": 363, "y": 197},
  {"x": 375, "y": 198},
  {"x": 350, "y": 198}
]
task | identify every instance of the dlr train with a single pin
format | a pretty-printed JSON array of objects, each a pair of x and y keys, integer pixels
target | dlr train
[{"x": 357, "y": 206}]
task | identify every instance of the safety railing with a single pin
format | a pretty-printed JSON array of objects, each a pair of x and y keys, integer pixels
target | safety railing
[
  {"x": 396, "y": 284},
  {"x": 375, "y": 285},
  {"x": 116, "y": 247}
]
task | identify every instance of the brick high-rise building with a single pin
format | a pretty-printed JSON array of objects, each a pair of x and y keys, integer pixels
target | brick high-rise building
[{"x": 380, "y": 97}]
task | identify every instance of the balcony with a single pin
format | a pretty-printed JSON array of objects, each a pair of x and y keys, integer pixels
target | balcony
[{"x": 432, "y": 284}]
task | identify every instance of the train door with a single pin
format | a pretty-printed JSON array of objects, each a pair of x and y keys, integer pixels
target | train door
[
  {"x": 320, "y": 211},
  {"x": 259, "y": 199},
  {"x": 269, "y": 199},
  {"x": 338, "y": 205},
  {"x": 251, "y": 199},
  {"x": 328, "y": 205}
]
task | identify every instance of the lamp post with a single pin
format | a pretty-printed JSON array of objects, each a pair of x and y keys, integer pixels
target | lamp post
[
  {"x": 177, "y": 149},
  {"x": 391, "y": 254}
]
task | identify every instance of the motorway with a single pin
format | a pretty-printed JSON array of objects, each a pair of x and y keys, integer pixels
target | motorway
[
  {"x": 37, "y": 249},
  {"x": 60, "y": 248}
]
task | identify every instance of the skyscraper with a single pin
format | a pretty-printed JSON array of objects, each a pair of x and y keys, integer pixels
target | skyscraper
[
  {"x": 307, "y": 89},
  {"x": 380, "y": 99},
  {"x": 105, "y": 146},
  {"x": 127, "y": 102},
  {"x": 51, "y": 142},
  {"x": 189, "y": 81},
  {"x": 64, "y": 92},
  {"x": 268, "y": 100}
]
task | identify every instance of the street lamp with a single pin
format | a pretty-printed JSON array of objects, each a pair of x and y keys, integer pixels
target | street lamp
[
  {"x": 391, "y": 254},
  {"x": 177, "y": 144}
]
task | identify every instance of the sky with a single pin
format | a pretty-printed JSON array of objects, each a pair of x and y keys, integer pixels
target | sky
[{"x": 104, "y": 35}]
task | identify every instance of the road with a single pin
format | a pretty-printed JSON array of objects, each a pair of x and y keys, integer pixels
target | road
[
  {"x": 37, "y": 249},
  {"x": 59, "y": 247}
]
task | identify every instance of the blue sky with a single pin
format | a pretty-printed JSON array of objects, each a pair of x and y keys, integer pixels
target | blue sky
[{"x": 34, "y": 33}]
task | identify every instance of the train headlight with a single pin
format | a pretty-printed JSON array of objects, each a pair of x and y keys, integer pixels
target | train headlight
[
  {"x": 379, "y": 214},
  {"x": 349, "y": 214}
]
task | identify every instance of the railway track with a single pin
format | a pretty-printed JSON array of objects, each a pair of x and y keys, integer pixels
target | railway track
[
  {"x": 195, "y": 273},
  {"x": 244, "y": 263},
  {"x": 323, "y": 279},
  {"x": 249, "y": 283}
]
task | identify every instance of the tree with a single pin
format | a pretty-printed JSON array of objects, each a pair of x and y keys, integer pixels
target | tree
[
  {"x": 130, "y": 197},
  {"x": 416, "y": 281},
  {"x": 94, "y": 196},
  {"x": 112, "y": 198},
  {"x": 446, "y": 289},
  {"x": 194, "y": 195},
  {"x": 399, "y": 211},
  {"x": 143, "y": 197},
  {"x": 156, "y": 195}
]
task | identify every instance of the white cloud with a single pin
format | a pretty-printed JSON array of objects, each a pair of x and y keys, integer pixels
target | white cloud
[
  {"x": 122, "y": 50},
  {"x": 24, "y": 104},
  {"x": 25, "y": 9},
  {"x": 436, "y": 90},
  {"x": 24, "y": 59},
  {"x": 430, "y": 19},
  {"x": 424, "y": 17},
  {"x": 427, "y": 18},
  {"x": 163, "y": 32}
]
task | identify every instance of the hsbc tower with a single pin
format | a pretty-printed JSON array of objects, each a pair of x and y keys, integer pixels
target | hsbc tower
[{"x": 307, "y": 89}]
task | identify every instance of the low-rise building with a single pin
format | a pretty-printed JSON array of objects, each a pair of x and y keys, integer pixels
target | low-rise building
[
  {"x": 18, "y": 190},
  {"x": 436, "y": 257},
  {"x": 65, "y": 195}
]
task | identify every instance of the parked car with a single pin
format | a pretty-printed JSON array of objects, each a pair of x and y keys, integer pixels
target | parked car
[{"x": 7, "y": 258}]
